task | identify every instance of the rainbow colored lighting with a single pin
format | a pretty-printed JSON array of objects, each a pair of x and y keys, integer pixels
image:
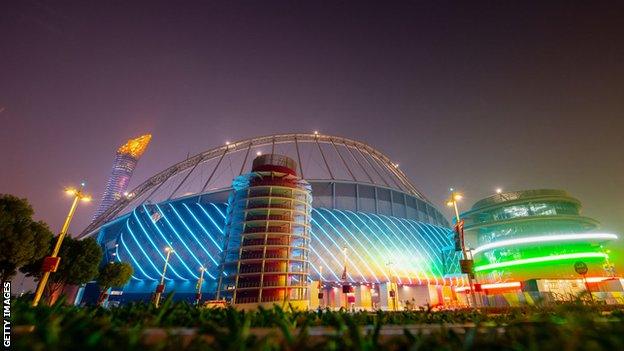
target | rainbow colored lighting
[
  {"x": 540, "y": 260},
  {"x": 545, "y": 238}
]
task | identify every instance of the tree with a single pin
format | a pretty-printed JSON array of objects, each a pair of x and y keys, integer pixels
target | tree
[
  {"x": 23, "y": 240},
  {"x": 113, "y": 274},
  {"x": 79, "y": 264}
]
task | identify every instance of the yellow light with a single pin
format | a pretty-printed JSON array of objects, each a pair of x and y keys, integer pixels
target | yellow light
[
  {"x": 86, "y": 198},
  {"x": 70, "y": 191},
  {"x": 167, "y": 249},
  {"x": 449, "y": 203},
  {"x": 457, "y": 196},
  {"x": 499, "y": 190}
]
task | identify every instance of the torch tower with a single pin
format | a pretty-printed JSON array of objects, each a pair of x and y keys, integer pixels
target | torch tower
[{"x": 126, "y": 160}]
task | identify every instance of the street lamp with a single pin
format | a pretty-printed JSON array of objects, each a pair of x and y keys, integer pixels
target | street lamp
[
  {"x": 161, "y": 287},
  {"x": 393, "y": 292},
  {"x": 51, "y": 263},
  {"x": 198, "y": 296},
  {"x": 346, "y": 288},
  {"x": 466, "y": 262}
]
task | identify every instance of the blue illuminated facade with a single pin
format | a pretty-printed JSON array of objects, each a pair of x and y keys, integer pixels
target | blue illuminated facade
[{"x": 389, "y": 235}]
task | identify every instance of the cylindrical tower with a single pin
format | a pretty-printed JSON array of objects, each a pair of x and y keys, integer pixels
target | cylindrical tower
[{"x": 266, "y": 258}]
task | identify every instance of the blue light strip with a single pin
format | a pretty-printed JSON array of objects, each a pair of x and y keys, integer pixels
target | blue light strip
[
  {"x": 218, "y": 209},
  {"x": 417, "y": 258},
  {"x": 211, "y": 220},
  {"x": 330, "y": 253},
  {"x": 119, "y": 258},
  {"x": 210, "y": 236},
  {"x": 431, "y": 260},
  {"x": 431, "y": 239},
  {"x": 340, "y": 264},
  {"x": 392, "y": 242},
  {"x": 156, "y": 248},
  {"x": 357, "y": 252},
  {"x": 372, "y": 245},
  {"x": 162, "y": 235},
  {"x": 194, "y": 237},
  {"x": 326, "y": 265},
  {"x": 405, "y": 260},
  {"x": 361, "y": 246},
  {"x": 381, "y": 241},
  {"x": 141, "y": 249},
  {"x": 199, "y": 263}
]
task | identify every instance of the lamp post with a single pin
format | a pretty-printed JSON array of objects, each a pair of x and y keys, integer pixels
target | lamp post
[
  {"x": 161, "y": 287},
  {"x": 452, "y": 202},
  {"x": 345, "y": 286},
  {"x": 200, "y": 281},
  {"x": 393, "y": 292},
  {"x": 51, "y": 263}
]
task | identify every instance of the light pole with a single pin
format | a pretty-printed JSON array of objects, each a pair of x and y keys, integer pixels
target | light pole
[
  {"x": 161, "y": 287},
  {"x": 345, "y": 286},
  {"x": 199, "y": 285},
  {"x": 452, "y": 202},
  {"x": 393, "y": 293},
  {"x": 51, "y": 263}
]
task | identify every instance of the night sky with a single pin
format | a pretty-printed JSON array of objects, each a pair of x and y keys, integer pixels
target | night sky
[{"x": 497, "y": 94}]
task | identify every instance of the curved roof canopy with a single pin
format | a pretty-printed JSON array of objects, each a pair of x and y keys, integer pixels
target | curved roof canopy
[{"x": 319, "y": 157}]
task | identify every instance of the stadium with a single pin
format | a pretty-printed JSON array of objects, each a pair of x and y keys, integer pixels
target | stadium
[{"x": 370, "y": 227}]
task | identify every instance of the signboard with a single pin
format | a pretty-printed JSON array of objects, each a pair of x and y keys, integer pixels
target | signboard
[
  {"x": 459, "y": 235},
  {"x": 466, "y": 266},
  {"x": 50, "y": 264},
  {"x": 580, "y": 267}
]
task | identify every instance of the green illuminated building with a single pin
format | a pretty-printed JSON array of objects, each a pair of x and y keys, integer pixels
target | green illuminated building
[{"x": 534, "y": 234}]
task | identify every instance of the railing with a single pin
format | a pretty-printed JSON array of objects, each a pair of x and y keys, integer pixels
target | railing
[
  {"x": 275, "y": 255},
  {"x": 271, "y": 298},
  {"x": 251, "y": 255},
  {"x": 248, "y": 284},
  {"x": 272, "y": 241},
  {"x": 287, "y": 206},
  {"x": 270, "y": 283},
  {"x": 253, "y": 242},
  {"x": 253, "y": 299},
  {"x": 268, "y": 218},
  {"x": 270, "y": 229},
  {"x": 273, "y": 182},
  {"x": 244, "y": 270}
]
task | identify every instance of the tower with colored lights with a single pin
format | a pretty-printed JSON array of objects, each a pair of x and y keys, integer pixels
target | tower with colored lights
[
  {"x": 126, "y": 159},
  {"x": 265, "y": 259}
]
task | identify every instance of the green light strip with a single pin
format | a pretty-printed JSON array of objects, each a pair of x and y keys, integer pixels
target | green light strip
[{"x": 541, "y": 259}]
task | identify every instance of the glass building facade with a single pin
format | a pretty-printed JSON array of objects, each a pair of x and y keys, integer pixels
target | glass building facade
[{"x": 533, "y": 234}]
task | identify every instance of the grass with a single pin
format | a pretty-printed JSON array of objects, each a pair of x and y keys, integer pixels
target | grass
[{"x": 570, "y": 326}]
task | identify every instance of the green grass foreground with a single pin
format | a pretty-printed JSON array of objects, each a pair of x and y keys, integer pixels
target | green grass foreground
[{"x": 181, "y": 326}]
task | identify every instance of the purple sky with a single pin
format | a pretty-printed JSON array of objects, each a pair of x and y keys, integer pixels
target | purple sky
[{"x": 512, "y": 95}]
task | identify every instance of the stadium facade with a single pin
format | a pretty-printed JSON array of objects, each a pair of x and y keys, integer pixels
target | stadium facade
[
  {"x": 369, "y": 228},
  {"x": 125, "y": 162}
]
